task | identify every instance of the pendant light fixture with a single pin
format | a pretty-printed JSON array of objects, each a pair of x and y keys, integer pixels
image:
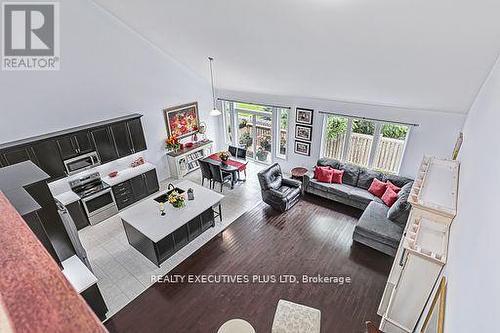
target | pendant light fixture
[{"x": 214, "y": 112}]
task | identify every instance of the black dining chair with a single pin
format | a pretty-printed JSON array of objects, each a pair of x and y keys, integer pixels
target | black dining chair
[
  {"x": 206, "y": 173},
  {"x": 219, "y": 176},
  {"x": 233, "y": 150},
  {"x": 238, "y": 152},
  {"x": 241, "y": 153}
]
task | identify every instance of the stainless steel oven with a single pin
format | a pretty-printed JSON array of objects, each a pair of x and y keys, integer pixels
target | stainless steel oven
[
  {"x": 97, "y": 197},
  {"x": 100, "y": 206},
  {"x": 82, "y": 162}
]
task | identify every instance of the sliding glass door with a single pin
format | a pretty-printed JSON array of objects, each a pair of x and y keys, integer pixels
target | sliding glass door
[
  {"x": 254, "y": 132},
  {"x": 261, "y": 129}
]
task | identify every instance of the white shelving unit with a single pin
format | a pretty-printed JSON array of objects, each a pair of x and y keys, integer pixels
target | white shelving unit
[
  {"x": 186, "y": 160},
  {"x": 423, "y": 250}
]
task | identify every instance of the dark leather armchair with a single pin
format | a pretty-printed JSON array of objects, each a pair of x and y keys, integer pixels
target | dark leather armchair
[{"x": 278, "y": 192}]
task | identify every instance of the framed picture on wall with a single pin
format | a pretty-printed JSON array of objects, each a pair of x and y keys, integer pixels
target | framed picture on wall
[
  {"x": 303, "y": 132},
  {"x": 302, "y": 148},
  {"x": 182, "y": 120},
  {"x": 304, "y": 116}
]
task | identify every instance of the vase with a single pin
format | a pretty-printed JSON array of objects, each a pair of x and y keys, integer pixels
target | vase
[{"x": 178, "y": 204}]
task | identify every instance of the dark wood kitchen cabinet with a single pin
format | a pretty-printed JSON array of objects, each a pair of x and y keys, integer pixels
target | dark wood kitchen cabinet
[
  {"x": 128, "y": 137},
  {"x": 122, "y": 139},
  {"x": 18, "y": 155},
  {"x": 112, "y": 139},
  {"x": 137, "y": 135},
  {"x": 151, "y": 180},
  {"x": 75, "y": 144},
  {"x": 135, "y": 189},
  {"x": 77, "y": 213},
  {"x": 44, "y": 154},
  {"x": 104, "y": 144},
  {"x": 47, "y": 155},
  {"x": 139, "y": 189},
  {"x": 51, "y": 220}
]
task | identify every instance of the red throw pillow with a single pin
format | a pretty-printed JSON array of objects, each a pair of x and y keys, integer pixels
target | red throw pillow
[
  {"x": 324, "y": 175},
  {"x": 389, "y": 197},
  {"x": 393, "y": 187},
  {"x": 316, "y": 170},
  {"x": 337, "y": 176},
  {"x": 377, "y": 188}
]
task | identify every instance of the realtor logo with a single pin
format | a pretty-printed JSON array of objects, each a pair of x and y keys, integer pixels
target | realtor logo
[{"x": 30, "y": 36}]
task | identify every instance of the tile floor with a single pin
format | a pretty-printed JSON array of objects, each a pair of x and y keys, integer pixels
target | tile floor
[{"x": 124, "y": 273}]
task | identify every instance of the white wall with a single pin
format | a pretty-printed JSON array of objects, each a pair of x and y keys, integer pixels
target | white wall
[
  {"x": 473, "y": 266},
  {"x": 107, "y": 70},
  {"x": 436, "y": 134}
]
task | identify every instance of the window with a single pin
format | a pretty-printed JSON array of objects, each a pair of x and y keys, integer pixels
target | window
[
  {"x": 261, "y": 129},
  {"x": 373, "y": 144},
  {"x": 227, "y": 112},
  {"x": 361, "y": 142},
  {"x": 282, "y": 131}
]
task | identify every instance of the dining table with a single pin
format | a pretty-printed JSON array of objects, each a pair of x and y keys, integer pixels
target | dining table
[{"x": 233, "y": 166}]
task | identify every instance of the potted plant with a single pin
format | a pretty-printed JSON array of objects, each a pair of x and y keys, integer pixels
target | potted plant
[
  {"x": 177, "y": 200},
  {"x": 224, "y": 156},
  {"x": 261, "y": 154},
  {"x": 172, "y": 143}
]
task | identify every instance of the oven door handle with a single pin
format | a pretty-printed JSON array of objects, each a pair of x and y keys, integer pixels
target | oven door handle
[{"x": 98, "y": 194}]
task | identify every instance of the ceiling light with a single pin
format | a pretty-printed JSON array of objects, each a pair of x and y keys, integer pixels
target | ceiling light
[{"x": 214, "y": 112}]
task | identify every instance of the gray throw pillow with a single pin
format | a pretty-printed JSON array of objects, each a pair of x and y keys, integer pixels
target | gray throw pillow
[{"x": 400, "y": 210}]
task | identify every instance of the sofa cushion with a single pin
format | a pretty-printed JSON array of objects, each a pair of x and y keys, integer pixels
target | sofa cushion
[
  {"x": 401, "y": 209},
  {"x": 389, "y": 197},
  {"x": 324, "y": 174},
  {"x": 363, "y": 196},
  {"x": 377, "y": 188},
  {"x": 337, "y": 176},
  {"x": 393, "y": 187},
  {"x": 340, "y": 190},
  {"x": 397, "y": 180},
  {"x": 374, "y": 224},
  {"x": 334, "y": 164},
  {"x": 366, "y": 177},
  {"x": 351, "y": 173}
]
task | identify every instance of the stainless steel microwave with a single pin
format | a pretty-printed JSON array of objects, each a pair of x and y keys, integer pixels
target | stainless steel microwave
[{"x": 82, "y": 162}]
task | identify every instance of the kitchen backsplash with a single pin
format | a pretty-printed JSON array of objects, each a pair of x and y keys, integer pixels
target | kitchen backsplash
[{"x": 62, "y": 185}]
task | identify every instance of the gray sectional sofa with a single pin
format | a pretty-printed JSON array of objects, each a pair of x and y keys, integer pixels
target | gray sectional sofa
[{"x": 380, "y": 227}]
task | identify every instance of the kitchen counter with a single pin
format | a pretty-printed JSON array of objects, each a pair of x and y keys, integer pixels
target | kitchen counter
[
  {"x": 20, "y": 175},
  {"x": 80, "y": 277},
  {"x": 127, "y": 174},
  {"x": 67, "y": 197},
  {"x": 145, "y": 216},
  {"x": 22, "y": 201}
]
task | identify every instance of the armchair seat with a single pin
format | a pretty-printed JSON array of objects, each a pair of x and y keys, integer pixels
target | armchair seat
[{"x": 278, "y": 192}]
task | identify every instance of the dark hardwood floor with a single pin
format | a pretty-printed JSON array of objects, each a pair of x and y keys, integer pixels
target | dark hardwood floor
[{"x": 314, "y": 237}]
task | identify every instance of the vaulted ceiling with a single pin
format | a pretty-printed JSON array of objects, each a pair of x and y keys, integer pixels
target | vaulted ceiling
[{"x": 432, "y": 54}]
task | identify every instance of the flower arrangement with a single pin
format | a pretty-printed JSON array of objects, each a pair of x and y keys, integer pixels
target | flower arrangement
[
  {"x": 172, "y": 143},
  {"x": 224, "y": 155},
  {"x": 177, "y": 200}
]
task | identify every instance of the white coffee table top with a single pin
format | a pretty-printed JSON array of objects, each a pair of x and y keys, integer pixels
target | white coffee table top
[
  {"x": 236, "y": 326},
  {"x": 145, "y": 216}
]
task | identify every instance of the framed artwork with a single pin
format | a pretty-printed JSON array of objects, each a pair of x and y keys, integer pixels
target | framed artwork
[
  {"x": 182, "y": 120},
  {"x": 304, "y": 116},
  {"x": 302, "y": 148},
  {"x": 303, "y": 132}
]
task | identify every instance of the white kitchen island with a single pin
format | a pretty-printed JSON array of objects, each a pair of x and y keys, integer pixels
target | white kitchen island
[{"x": 158, "y": 237}]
